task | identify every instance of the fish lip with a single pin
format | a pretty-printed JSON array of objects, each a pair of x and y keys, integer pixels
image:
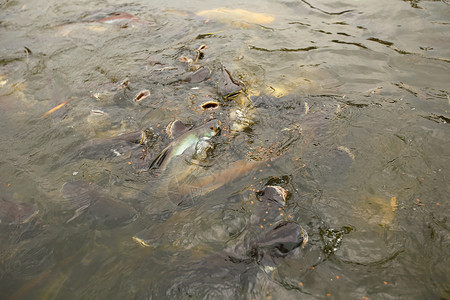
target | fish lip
[
  {"x": 210, "y": 105},
  {"x": 141, "y": 96},
  {"x": 216, "y": 128}
]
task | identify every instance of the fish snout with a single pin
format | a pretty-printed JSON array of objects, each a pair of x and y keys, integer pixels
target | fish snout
[{"x": 215, "y": 127}]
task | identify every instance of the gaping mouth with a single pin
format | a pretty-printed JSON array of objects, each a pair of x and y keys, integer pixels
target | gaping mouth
[
  {"x": 210, "y": 105},
  {"x": 141, "y": 96}
]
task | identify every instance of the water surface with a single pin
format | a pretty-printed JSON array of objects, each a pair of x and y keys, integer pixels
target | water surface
[{"x": 366, "y": 168}]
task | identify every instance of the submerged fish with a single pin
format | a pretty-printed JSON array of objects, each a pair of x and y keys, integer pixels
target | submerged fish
[
  {"x": 107, "y": 147},
  {"x": 236, "y": 15},
  {"x": 270, "y": 235},
  {"x": 280, "y": 241},
  {"x": 185, "y": 143},
  {"x": 101, "y": 207},
  {"x": 121, "y": 18},
  {"x": 206, "y": 183},
  {"x": 16, "y": 213}
]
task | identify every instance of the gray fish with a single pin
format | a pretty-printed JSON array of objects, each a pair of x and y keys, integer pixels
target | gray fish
[
  {"x": 176, "y": 128},
  {"x": 89, "y": 198},
  {"x": 280, "y": 241},
  {"x": 134, "y": 146},
  {"x": 269, "y": 206},
  {"x": 227, "y": 86},
  {"x": 16, "y": 213},
  {"x": 277, "y": 240},
  {"x": 121, "y": 18},
  {"x": 198, "y": 76},
  {"x": 185, "y": 144},
  {"x": 270, "y": 234},
  {"x": 108, "y": 147}
]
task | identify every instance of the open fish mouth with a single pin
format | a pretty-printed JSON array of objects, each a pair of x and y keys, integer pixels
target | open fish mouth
[{"x": 210, "y": 105}]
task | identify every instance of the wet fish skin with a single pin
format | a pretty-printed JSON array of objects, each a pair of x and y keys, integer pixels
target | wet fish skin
[
  {"x": 211, "y": 182},
  {"x": 104, "y": 147},
  {"x": 228, "y": 87},
  {"x": 269, "y": 206},
  {"x": 279, "y": 242},
  {"x": 186, "y": 144},
  {"x": 176, "y": 128},
  {"x": 121, "y": 18},
  {"x": 202, "y": 148},
  {"x": 198, "y": 76}
]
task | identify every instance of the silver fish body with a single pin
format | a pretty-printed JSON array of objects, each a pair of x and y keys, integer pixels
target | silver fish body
[{"x": 186, "y": 144}]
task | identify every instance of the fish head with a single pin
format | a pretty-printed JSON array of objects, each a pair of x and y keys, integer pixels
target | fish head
[
  {"x": 228, "y": 87},
  {"x": 275, "y": 194},
  {"x": 285, "y": 238},
  {"x": 209, "y": 129},
  {"x": 185, "y": 146},
  {"x": 202, "y": 149},
  {"x": 189, "y": 142}
]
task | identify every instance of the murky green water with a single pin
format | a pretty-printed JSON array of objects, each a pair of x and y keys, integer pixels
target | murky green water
[{"x": 366, "y": 168}]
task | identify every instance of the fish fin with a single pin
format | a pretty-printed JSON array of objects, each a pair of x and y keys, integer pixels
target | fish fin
[
  {"x": 78, "y": 193},
  {"x": 78, "y": 212},
  {"x": 157, "y": 162},
  {"x": 176, "y": 128}
]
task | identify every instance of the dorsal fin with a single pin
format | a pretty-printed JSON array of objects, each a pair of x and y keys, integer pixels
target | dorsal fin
[{"x": 176, "y": 128}]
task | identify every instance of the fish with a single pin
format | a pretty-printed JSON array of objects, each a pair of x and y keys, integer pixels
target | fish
[
  {"x": 228, "y": 87},
  {"x": 269, "y": 234},
  {"x": 101, "y": 207},
  {"x": 100, "y": 22},
  {"x": 212, "y": 181},
  {"x": 278, "y": 238},
  {"x": 268, "y": 208},
  {"x": 176, "y": 128},
  {"x": 16, "y": 213},
  {"x": 201, "y": 74},
  {"x": 280, "y": 241},
  {"x": 236, "y": 15},
  {"x": 107, "y": 147},
  {"x": 185, "y": 143},
  {"x": 121, "y": 18}
]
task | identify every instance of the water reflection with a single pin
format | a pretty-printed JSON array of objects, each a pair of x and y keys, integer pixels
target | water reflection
[{"x": 343, "y": 104}]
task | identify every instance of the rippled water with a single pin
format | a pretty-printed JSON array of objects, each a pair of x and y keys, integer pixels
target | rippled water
[{"x": 366, "y": 168}]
